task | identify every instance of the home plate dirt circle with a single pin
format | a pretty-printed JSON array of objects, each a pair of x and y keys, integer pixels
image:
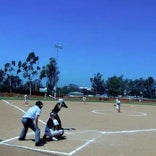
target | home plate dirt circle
[{"x": 123, "y": 112}]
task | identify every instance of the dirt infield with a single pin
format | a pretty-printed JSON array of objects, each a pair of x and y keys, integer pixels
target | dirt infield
[{"x": 99, "y": 130}]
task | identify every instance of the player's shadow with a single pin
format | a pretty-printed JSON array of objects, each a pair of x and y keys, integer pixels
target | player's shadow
[
  {"x": 29, "y": 140},
  {"x": 69, "y": 129},
  {"x": 49, "y": 139}
]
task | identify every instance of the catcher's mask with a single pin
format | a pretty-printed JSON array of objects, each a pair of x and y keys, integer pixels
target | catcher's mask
[{"x": 52, "y": 114}]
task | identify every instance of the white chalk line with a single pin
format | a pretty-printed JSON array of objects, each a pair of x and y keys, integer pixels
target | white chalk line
[
  {"x": 14, "y": 138},
  {"x": 12, "y": 105},
  {"x": 129, "y": 131},
  {"x": 82, "y": 146},
  {"x": 124, "y": 112},
  {"x": 35, "y": 149},
  {"x": 75, "y": 150}
]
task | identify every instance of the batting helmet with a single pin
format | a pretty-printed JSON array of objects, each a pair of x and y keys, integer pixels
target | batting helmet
[{"x": 61, "y": 101}]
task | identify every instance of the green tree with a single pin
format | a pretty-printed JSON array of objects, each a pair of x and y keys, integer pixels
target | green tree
[
  {"x": 97, "y": 83},
  {"x": 115, "y": 85},
  {"x": 138, "y": 87},
  {"x": 50, "y": 72},
  {"x": 19, "y": 67},
  {"x": 149, "y": 85},
  {"x": 30, "y": 69},
  {"x": 129, "y": 87},
  {"x": 9, "y": 69},
  {"x": 69, "y": 88},
  {"x": 1, "y": 79}
]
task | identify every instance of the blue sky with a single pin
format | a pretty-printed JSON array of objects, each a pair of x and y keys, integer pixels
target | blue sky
[{"x": 112, "y": 37}]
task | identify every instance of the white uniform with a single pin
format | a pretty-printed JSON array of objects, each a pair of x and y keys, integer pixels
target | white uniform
[
  {"x": 118, "y": 105},
  {"x": 26, "y": 100},
  {"x": 51, "y": 132},
  {"x": 84, "y": 99}
]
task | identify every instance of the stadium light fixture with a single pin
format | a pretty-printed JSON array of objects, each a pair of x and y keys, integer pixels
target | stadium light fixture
[{"x": 58, "y": 46}]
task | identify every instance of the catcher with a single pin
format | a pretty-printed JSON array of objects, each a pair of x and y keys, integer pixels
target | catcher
[{"x": 52, "y": 128}]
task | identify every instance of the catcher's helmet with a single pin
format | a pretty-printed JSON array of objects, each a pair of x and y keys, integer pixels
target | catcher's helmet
[{"x": 52, "y": 114}]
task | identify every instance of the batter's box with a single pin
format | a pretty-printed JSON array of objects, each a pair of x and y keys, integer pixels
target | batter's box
[{"x": 72, "y": 143}]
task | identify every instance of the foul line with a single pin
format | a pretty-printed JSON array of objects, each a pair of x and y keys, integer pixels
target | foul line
[
  {"x": 35, "y": 149},
  {"x": 129, "y": 131},
  {"x": 82, "y": 146},
  {"x": 10, "y": 104}
]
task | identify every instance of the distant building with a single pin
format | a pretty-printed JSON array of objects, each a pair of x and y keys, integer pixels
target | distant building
[
  {"x": 75, "y": 94},
  {"x": 87, "y": 88}
]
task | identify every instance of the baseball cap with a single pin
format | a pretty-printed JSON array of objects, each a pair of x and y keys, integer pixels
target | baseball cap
[
  {"x": 61, "y": 101},
  {"x": 39, "y": 104}
]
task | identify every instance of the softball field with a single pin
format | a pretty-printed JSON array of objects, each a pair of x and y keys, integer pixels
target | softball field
[{"x": 99, "y": 130}]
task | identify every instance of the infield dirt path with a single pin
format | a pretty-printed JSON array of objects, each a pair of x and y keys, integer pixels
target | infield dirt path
[{"x": 100, "y": 130}]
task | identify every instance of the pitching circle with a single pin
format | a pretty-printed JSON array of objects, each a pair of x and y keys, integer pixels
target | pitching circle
[{"x": 124, "y": 112}]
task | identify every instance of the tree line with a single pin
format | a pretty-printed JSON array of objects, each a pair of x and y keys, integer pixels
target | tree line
[
  {"x": 117, "y": 85},
  {"x": 28, "y": 77}
]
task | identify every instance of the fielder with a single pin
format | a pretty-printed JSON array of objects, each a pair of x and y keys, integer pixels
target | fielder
[
  {"x": 26, "y": 100},
  {"x": 84, "y": 98},
  {"x": 118, "y": 103}
]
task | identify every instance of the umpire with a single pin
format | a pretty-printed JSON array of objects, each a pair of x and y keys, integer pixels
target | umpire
[{"x": 30, "y": 120}]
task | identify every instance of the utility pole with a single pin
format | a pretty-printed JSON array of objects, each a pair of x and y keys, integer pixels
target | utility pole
[{"x": 58, "y": 47}]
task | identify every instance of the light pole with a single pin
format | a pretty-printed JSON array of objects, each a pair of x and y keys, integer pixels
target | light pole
[{"x": 58, "y": 47}]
